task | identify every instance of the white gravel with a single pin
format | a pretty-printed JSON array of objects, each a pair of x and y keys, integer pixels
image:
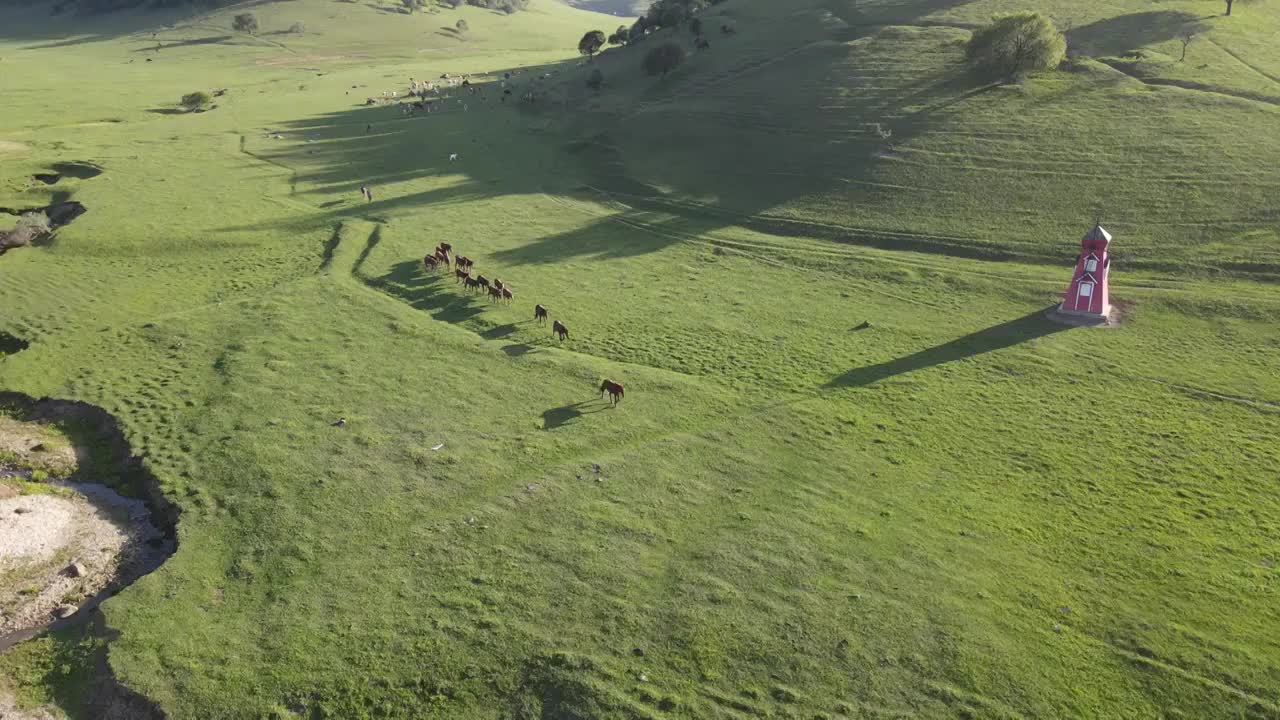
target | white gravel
[{"x": 41, "y": 535}]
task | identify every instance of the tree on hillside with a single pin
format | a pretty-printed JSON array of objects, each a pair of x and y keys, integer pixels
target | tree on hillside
[
  {"x": 1017, "y": 44},
  {"x": 461, "y": 26},
  {"x": 621, "y": 36},
  {"x": 591, "y": 43},
  {"x": 1231, "y": 4},
  {"x": 1185, "y": 38},
  {"x": 196, "y": 101},
  {"x": 411, "y": 5},
  {"x": 245, "y": 23},
  {"x": 695, "y": 26},
  {"x": 663, "y": 59}
]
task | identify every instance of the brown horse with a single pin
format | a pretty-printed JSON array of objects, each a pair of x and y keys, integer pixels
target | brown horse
[
  {"x": 482, "y": 280},
  {"x": 507, "y": 295},
  {"x": 446, "y": 247},
  {"x": 495, "y": 294},
  {"x": 559, "y": 329},
  {"x": 472, "y": 283},
  {"x": 540, "y": 314},
  {"x": 442, "y": 256},
  {"x": 430, "y": 262},
  {"x": 463, "y": 261},
  {"x": 497, "y": 283},
  {"x": 461, "y": 275},
  {"x": 614, "y": 389}
]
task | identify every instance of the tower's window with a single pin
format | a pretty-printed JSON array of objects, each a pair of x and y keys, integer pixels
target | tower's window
[
  {"x": 1086, "y": 289},
  {"x": 1091, "y": 264}
]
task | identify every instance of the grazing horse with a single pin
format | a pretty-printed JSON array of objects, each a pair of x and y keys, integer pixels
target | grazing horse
[
  {"x": 442, "y": 256},
  {"x": 461, "y": 275},
  {"x": 495, "y": 294},
  {"x": 497, "y": 283},
  {"x": 507, "y": 295},
  {"x": 482, "y": 280},
  {"x": 540, "y": 314},
  {"x": 559, "y": 329},
  {"x": 463, "y": 261},
  {"x": 472, "y": 283},
  {"x": 446, "y": 247},
  {"x": 614, "y": 389},
  {"x": 431, "y": 262}
]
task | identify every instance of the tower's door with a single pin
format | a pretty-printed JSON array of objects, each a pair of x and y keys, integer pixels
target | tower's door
[{"x": 1085, "y": 295}]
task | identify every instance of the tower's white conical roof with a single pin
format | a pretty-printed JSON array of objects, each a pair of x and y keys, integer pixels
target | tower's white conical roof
[{"x": 1098, "y": 233}]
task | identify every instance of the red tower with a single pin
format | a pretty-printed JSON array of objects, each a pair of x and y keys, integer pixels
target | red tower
[{"x": 1088, "y": 295}]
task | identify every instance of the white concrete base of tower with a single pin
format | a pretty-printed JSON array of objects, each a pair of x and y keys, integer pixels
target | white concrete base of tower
[{"x": 1108, "y": 318}]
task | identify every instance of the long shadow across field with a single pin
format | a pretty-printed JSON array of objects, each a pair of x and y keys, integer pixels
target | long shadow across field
[
  {"x": 996, "y": 337},
  {"x": 504, "y": 150},
  {"x": 1119, "y": 35}
]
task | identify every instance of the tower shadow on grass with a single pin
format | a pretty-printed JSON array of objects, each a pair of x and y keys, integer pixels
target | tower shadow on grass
[{"x": 997, "y": 337}]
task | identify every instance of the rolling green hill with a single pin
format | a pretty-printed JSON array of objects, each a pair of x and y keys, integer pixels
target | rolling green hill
[
  {"x": 778, "y": 124},
  {"x": 857, "y": 472}
]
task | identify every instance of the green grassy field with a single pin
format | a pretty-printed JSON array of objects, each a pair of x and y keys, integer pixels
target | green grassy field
[{"x": 963, "y": 510}]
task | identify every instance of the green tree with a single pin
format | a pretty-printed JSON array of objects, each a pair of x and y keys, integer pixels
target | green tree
[
  {"x": 663, "y": 59},
  {"x": 462, "y": 26},
  {"x": 620, "y": 36},
  {"x": 196, "y": 101},
  {"x": 412, "y": 5},
  {"x": 245, "y": 23},
  {"x": 591, "y": 43},
  {"x": 1017, "y": 44}
]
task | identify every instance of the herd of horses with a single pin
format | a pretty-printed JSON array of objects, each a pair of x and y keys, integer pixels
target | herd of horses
[{"x": 443, "y": 257}]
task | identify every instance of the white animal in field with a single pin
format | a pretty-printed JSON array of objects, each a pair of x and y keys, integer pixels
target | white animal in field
[{"x": 453, "y": 157}]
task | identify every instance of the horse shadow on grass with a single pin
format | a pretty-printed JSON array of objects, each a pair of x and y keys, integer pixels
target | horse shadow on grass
[
  {"x": 997, "y": 337},
  {"x": 558, "y": 417},
  {"x": 445, "y": 301}
]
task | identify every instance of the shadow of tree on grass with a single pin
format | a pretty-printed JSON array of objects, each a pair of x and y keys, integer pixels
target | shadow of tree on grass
[{"x": 1119, "y": 35}]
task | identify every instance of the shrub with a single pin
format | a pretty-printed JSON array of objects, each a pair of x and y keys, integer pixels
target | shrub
[
  {"x": 695, "y": 26},
  {"x": 663, "y": 59},
  {"x": 297, "y": 28},
  {"x": 411, "y": 5},
  {"x": 196, "y": 101},
  {"x": 595, "y": 79},
  {"x": 462, "y": 26},
  {"x": 246, "y": 23},
  {"x": 1017, "y": 44}
]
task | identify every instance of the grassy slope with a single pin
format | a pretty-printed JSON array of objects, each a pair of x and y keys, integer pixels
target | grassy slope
[
  {"x": 1000, "y": 170},
  {"x": 793, "y": 518}
]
